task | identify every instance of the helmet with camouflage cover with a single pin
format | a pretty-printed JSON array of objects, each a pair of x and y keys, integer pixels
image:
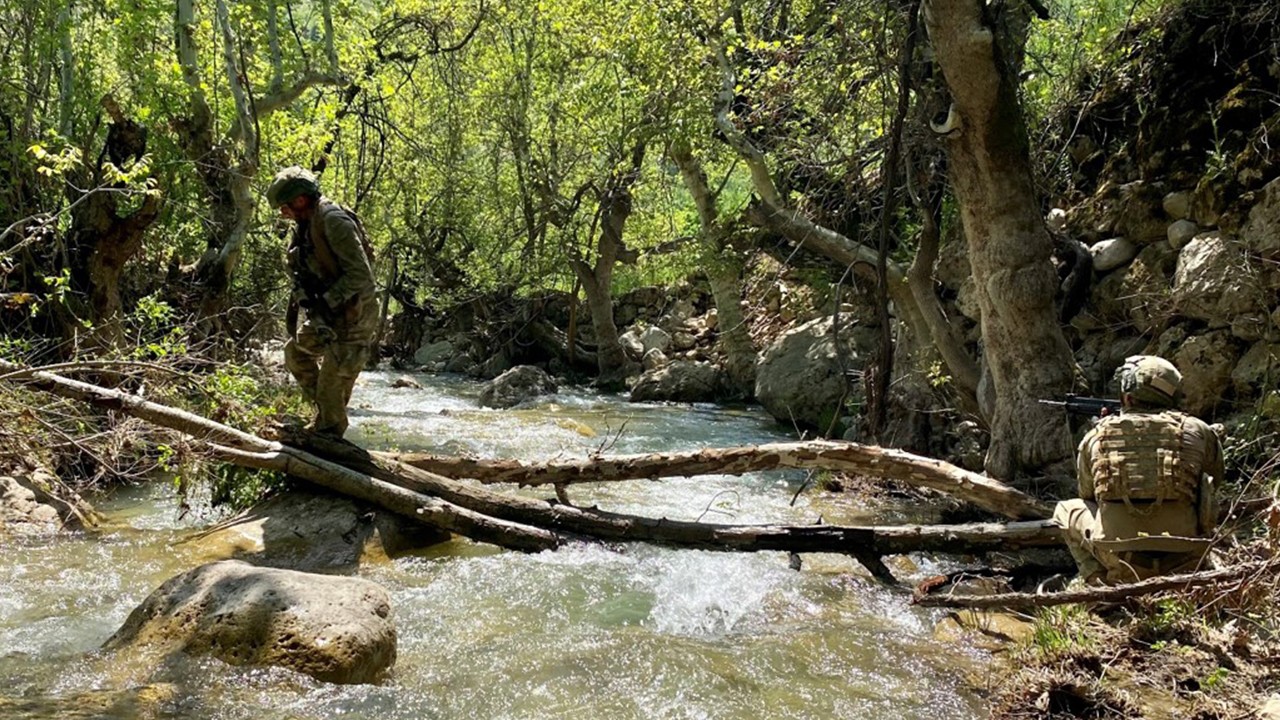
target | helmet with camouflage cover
[
  {"x": 1150, "y": 380},
  {"x": 290, "y": 183}
]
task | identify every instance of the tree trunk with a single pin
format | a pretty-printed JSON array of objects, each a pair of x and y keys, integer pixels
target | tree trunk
[
  {"x": 863, "y": 460},
  {"x": 1009, "y": 248}
]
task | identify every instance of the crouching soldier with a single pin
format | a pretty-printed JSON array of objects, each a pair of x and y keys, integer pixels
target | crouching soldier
[
  {"x": 1147, "y": 478},
  {"x": 334, "y": 296}
]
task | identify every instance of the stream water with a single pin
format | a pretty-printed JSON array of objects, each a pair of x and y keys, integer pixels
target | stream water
[{"x": 586, "y": 632}]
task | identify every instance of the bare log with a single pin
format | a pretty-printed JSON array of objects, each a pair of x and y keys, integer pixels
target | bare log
[
  {"x": 1114, "y": 593},
  {"x": 865, "y": 460}
]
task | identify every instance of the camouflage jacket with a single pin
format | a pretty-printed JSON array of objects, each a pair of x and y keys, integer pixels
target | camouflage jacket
[{"x": 328, "y": 260}]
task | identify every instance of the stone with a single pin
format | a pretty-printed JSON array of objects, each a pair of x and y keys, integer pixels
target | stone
[
  {"x": 1177, "y": 205},
  {"x": 22, "y": 513},
  {"x": 405, "y": 382},
  {"x": 680, "y": 381},
  {"x": 801, "y": 378},
  {"x": 434, "y": 352},
  {"x": 1139, "y": 293},
  {"x": 967, "y": 300},
  {"x": 1056, "y": 220},
  {"x": 521, "y": 383},
  {"x": 655, "y": 338},
  {"x": 631, "y": 345},
  {"x": 1213, "y": 281},
  {"x": 1111, "y": 254},
  {"x": 952, "y": 268},
  {"x": 1261, "y": 231},
  {"x": 680, "y": 311},
  {"x": 1258, "y": 370},
  {"x": 711, "y": 319},
  {"x": 1139, "y": 216},
  {"x": 682, "y": 341},
  {"x": 1181, "y": 232},
  {"x": 1270, "y": 710},
  {"x": 494, "y": 366},
  {"x": 1206, "y": 362},
  {"x": 653, "y": 359},
  {"x": 314, "y": 531},
  {"x": 336, "y": 629},
  {"x": 1250, "y": 327}
]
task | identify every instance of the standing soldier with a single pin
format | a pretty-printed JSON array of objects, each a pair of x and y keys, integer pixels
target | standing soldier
[
  {"x": 333, "y": 285},
  {"x": 1147, "y": 479}
]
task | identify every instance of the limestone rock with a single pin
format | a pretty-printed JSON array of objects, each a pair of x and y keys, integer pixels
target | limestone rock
[
  {"x": 1181, "y": 232},
  {"x": 1139, "y": 293},
  {"x": 682, "y": 340},
  {"x": 800, "y": 377},
  {"x": 1177, "y": 205},
  {"x": 519, "y": 384},
  {"x": 655, "y": 338},
  {"x": 336, "y": 629},
  {"x": 313, "y": 531},
  {"x": 680, "y": 381},
  {"x": 631, "y": 345},
  {"x": 952, "y": 269},
  {"x": 436, "y": 352},
  {"x": 712, "y": 319},
  {"x": 1261, "y": 231},
  {"x": 680, "y": 311},
  {"x": 1213, "y": 281},
  {"x": 1113, "y": 253},
  {"x": 21, "y": 513},
  {"x": 1258, "y": 370},
  {"x": 1206, "y": 362},
  {"x": 1056, "y": 220},
  {"x": 1139, "y": 214},
  {"x": 653, "y": 359},
  {"x": 967, "y": 300}
]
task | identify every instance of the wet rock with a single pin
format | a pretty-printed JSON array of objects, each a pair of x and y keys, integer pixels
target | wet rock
[
  {"x": 1113, "y": 253},
  {"x": 989, "y": 629},
  {"x": 1206, "y": 362},
  {"x": 405, "y": 382},
  {"x": 1261, "y": 231},
  {"x": 801, "y": 376},
  {"x": 1258, "y": 370},
  {"x": 519, "y": 384},
  {"x": 1213, "y": 281},
  {"x": 35, "y": 502},
  {"x": 436, "y": 352},
  {"x": 1139, "y": 293},
  {"x": 680, "y": 381},
  {"x": 305, "y": 530},
  {"x": 1181, "y": 232},
  {"x": 654, "y": 359},
  {"x": 1177, "y": 205},
  {"x": 336, "y": 629}
]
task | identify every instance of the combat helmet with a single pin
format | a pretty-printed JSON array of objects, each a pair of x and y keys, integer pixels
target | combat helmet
[
  {"x": 1150, "y": 380},
  {"x": 290, "y": 183}
]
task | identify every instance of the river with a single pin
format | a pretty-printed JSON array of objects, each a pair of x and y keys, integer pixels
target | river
[{"x": 584, "y": 632}]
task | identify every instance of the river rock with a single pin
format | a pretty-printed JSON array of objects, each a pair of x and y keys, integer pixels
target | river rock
[
  {"x": 336, "y": 629},
  {"x": 404, "y": 382},
  {"x": 21, "y": 513},
  {"x": 1181, "y": 232},
  {"x": 1206, "y": 362},
  {"x": 800, "y": 377},
  {"x": 315, "y": 531},
  {"x": 1177, "y": 205},
  {"x": 1261, "y": 231},
  {"x": 436, "y": 352},
  {"x": 1258, "y": 370},
  {"x": 1213, "y": 281},
  {"x": 1111, "y": 254},
  {"x": 683, "y": 341},
  {"x": 654, "y": 359},
  {"x": 519, "y": 384},
  {"x": 680, "y": 381}
]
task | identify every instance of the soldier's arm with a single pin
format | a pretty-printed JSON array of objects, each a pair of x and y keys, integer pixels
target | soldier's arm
[
  {"x": 1084, "y": 467},
  {"x": 354, "y": 274}
]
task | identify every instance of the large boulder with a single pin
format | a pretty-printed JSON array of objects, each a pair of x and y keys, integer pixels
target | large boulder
[
  {"x": 436, "y": 352},
  {"x": 1137, "y": 294},
  {"x": 680, "y": 381},
  {"x": 1205, "y": 361},
  {"x": 1214, "y": 281},
  {"x": 654, "y": 338},
  {"x": 333, "y": 628},
  {"x": 519, "y": 384},
  {"x": 1261, "y": 231},
  {"x": 631, "y": 345},
  {"x": 1258, "y": 370},
  {"x": 314, "y": 531},
  {"x": 801, "y": 377}
]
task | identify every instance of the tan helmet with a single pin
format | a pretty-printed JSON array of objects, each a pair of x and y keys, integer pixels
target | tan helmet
[
  {"x": 289, "y": 183},
  {"x": 1151, "y": 380}
]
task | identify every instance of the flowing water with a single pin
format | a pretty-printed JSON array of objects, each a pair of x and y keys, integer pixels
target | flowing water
[{"x": 584, "y": 632}]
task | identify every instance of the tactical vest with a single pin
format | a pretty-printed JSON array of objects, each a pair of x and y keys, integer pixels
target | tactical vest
[{"x": 1142, "y": 457}]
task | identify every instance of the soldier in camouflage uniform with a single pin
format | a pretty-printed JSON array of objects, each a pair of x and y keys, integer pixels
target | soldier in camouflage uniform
[
  {"x": 334, "y": 288},
  {"x": 1147, "y": 480}
]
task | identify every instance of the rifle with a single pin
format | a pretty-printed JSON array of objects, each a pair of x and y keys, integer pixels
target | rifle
[{"x": 1088, "y": 406}]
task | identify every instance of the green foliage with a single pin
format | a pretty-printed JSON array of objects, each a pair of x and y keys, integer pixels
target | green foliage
[{"x": 1062, "y": 629}]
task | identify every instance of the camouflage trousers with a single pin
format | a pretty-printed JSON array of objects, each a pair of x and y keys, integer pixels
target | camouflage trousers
[
  {"x": 326, "y": 358},
  {"x": 1101, "y": 558}
]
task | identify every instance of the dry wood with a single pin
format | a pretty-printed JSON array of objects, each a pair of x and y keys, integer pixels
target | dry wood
[
  {"x": 865, "y": 460},
  {"x": 1114, "y": 593}
]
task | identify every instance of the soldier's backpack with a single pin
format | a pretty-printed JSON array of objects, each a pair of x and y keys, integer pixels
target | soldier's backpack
[
  {"x": 1141, "y": 457},
  {"x": 324, "y": 254}
]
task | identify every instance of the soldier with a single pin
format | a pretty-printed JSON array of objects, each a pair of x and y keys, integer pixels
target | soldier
[
  {"x": 334, "y": 287},
  {"x": 1147, "y": 479}
]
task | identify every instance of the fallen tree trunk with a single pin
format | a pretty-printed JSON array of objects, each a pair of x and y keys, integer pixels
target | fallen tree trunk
[
  {"x": 1113, "y": 593},
  {"x": 864, "y": 460},
  {"x": 518, "y": 522}
]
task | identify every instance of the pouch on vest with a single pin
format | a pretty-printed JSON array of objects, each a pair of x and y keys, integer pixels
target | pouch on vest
[{"x": 1140, "y": 457}]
